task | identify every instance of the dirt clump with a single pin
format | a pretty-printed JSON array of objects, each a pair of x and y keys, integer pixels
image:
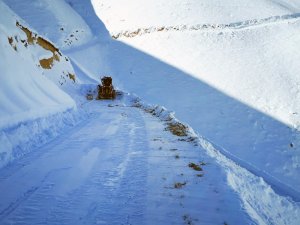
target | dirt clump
[
  {"x": 72, "y": 77},
  {"x": 47, "y": 45},
  {"x": 11, "y": 42},
  {"x": 177, "y": 129},
  {"x": 195, "y": 166},
  {"x": 47, "y": 63},
  {"x": 30, "y": 37}
]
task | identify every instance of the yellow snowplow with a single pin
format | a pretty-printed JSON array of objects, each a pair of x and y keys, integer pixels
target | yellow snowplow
[{"x": 106, "y": 89}]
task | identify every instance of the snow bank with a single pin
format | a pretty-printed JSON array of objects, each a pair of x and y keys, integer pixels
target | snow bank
[
  {"x": 25, "y": 93},
  {"x": 23, "y": 138},
  {"x": 33, "y": 108},
  {"x": 258, "y": 196}
]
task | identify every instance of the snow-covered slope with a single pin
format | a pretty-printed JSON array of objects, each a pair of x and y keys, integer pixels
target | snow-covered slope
[
  {"x": 25, "y": 92},
  {"x": 131, "y": 14},
  {"x": 32, "y": 70},
  {"x": 53, "y": 19},
  {"x": 236, "y": 83},
  {"x": 85, "y": 10}
]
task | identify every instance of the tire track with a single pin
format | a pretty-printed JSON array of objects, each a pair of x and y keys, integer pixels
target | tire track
[{"x": 205, "y": 27}]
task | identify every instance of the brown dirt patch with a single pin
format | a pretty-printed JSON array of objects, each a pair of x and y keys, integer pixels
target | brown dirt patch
[
  {"x": 11, "y": 42},
  {"x": 32, "y": 39},
  {"x": 30, "y": 36},
  {"x": 47, "y": 45},
  {"x": 72, "y": 76},
  {"x": 195, "y": 166},
  {"x": 177, "y": 129},
  {"x": 47, "y": 63}
]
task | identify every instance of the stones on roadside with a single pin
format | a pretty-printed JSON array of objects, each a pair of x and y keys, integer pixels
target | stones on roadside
[
  {"x": 179, "y": 185},
  {"x": 195, "y": 166}
]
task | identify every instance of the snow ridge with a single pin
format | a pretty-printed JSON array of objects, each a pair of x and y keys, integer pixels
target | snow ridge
[
  {"x": 25, "y": 137},
  {"x": 206, "y": 27}
]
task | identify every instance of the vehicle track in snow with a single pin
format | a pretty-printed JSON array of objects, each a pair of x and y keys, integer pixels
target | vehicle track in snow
[
  {"x": 206, "y": 27},
  {"x": 119, "y": 166}
]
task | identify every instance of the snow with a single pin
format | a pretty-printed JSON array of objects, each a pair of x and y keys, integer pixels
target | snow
[
  {"x": 228, "y": 70},
  {"x": 128, "y": 14},
  {"x": 63, "y": 26},
  {"x": 249, "y": 185},
  {"x": 26, "y": 94},
  {"x": 120, "y": 156},
  {"x": 22, "y": 139},
  {"x": 236, "y": 83},
  {"x": 86, "y": 11}
]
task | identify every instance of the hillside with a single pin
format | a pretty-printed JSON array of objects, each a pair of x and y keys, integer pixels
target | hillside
[
  {"x": 32, "y": 74},
  {"x": 187, "y": 12},
  {"x": 54, "y": 20}
]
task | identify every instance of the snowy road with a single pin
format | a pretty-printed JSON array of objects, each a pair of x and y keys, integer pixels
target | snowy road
[{"x": 120, "y": 166}]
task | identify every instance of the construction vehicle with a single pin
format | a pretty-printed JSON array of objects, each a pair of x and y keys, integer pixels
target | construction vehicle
[{"x": 106, "y": 90}]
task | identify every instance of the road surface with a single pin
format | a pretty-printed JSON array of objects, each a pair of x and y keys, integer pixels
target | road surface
[{"x": 119, "y": 166}]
